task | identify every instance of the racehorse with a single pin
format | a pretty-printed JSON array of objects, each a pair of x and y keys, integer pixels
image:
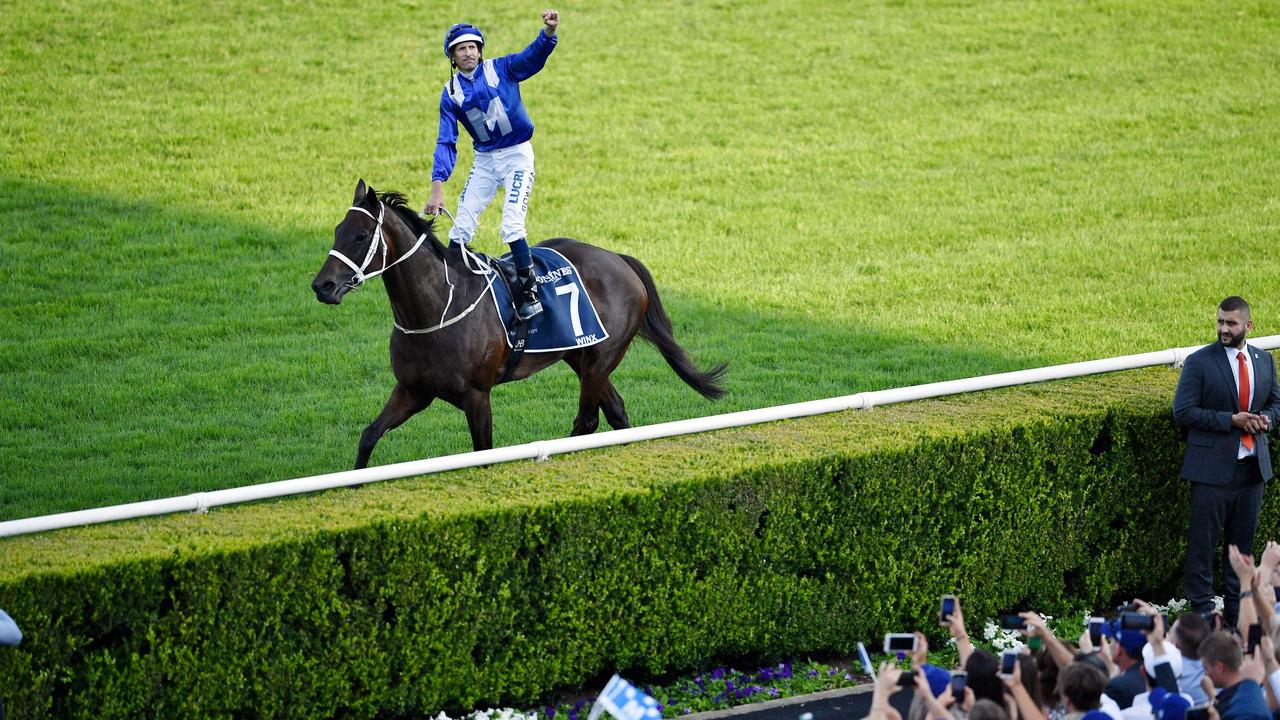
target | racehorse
[{"x": 461, "y": 357}]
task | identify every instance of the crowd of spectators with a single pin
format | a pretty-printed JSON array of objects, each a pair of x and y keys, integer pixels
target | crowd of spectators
[{"x": 1199, "y": 668}]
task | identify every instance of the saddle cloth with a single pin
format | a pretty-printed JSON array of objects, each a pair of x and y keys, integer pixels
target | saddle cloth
[{"x": 568, "y": 319}]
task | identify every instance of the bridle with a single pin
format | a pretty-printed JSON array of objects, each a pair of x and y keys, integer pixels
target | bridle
[
  {"x": 379, "y": 241},
  {"x": 360, "y": 275}
]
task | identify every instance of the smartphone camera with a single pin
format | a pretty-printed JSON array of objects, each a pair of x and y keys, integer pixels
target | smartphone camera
[
  {"x": 899, "y": 643},
  {"x": 867, "y": 667},
  {"x": 1012, "y": 622},
  {"x": 959, "y": 679},
  {"x": 948, "y": 607},
  {"x": 1095, "y": 630},
  {"x": 1255, "y": 637},
  {"x": 907, "y": 679},
  {"x": 1198, "y": 713},
  {"x": 1007, "y": 662},
  {"x": 1136, "y": 621}
]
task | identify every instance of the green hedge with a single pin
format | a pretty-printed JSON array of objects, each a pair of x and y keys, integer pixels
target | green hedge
[{"x": 499, "y": 585}]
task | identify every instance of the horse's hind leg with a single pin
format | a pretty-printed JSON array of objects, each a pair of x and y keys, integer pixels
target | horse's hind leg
[
  {"x": 597, "y": 393},
  {"x": 615, "y": 411},
  {"x": 401, "y": 406}
]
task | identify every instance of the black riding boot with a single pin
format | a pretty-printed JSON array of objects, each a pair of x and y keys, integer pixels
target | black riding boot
[{"x": 527, "y": 304}]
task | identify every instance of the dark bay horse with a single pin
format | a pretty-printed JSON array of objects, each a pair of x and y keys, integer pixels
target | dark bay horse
[{"x": 459, "y": 358}]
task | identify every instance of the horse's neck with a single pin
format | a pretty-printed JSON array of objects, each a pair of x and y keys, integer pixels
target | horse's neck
[{"x": 418, "y": 287}]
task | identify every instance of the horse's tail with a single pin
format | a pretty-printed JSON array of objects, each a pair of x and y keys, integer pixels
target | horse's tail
[{"x": 657, "y": 330}]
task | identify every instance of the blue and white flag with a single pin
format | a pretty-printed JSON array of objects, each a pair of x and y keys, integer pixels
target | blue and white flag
[{"x": 625, "y": 701}]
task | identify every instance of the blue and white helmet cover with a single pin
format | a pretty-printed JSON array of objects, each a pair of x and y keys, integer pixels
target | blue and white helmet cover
[{"x": 462, "y": 32}]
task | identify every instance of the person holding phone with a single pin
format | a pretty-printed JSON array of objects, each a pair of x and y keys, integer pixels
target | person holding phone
[
  {"x": 885, "y": 686},
  {"x": 939, "y": 679},
  {"x": 1227, "y": 402},
  {"x": 1019, "y": 685},
  {"x": 1036, "y": 627},
  {"x": 1240, "y": 696},
  {"x": 1128, "y": 684},
  {"x": 953, "y": 621}
]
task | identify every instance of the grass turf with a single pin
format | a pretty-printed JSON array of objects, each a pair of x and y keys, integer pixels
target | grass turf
[{"x": 836, "y": 197}]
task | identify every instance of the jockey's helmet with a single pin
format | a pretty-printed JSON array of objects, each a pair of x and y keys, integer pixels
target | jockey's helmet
[{"x": 460, "y": 33}]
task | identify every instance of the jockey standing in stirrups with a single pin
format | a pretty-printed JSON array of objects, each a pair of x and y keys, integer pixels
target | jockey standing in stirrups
[{"x": 484, "y": 95}]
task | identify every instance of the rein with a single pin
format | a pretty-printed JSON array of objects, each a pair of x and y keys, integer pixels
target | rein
[{"x": 360, "y": 276}]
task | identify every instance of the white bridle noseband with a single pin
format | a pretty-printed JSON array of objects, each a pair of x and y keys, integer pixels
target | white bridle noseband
[{"x": 360, "y": 275}]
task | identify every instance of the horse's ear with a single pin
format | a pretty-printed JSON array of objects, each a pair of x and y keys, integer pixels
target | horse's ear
[{"x": 361, "y": 189}]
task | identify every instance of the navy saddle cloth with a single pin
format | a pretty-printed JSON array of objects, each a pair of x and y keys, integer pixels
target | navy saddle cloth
[{"x": 568, "y": 319}]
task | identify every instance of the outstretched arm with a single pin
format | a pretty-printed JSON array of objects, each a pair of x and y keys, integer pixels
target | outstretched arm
[
  {"x": 955, "y": 624},
  {"x": 1060, "y": 652},
  {"x": 1243, "y": 566},
  {"x": 525, "y": 64}
]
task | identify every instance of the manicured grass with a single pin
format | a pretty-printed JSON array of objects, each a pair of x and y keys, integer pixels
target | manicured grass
[{"x": 834, "y": 196}]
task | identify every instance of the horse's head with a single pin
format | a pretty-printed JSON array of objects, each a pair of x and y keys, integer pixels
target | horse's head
[{"x": 355, "y": 242}]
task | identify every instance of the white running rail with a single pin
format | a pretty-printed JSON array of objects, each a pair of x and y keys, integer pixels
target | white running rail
[{"x": 200, "y": 502}]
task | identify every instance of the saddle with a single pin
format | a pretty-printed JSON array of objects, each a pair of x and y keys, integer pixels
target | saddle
[{"x": 568, "y": 319}]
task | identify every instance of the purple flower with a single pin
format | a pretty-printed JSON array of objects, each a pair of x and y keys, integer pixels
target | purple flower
[
  {"x": 699, "y": 681},
  {"x": 573, "y": 715},
  {"x": 717, "y": 674},
  {"x": 551, "y": 713},
  {"x": 784, "y": 670},
  {"x": 687, "y": 711},
  {"x": 765, "y": 675},
  {"x": 813, "y": 673},
  {"x": 831, "y": 672},
  {"x": 773, "y": 692},
  {"x": 728, "y": 685},
  {"x": 578, "y": 705},
  {"x": 847, "y": 676}
]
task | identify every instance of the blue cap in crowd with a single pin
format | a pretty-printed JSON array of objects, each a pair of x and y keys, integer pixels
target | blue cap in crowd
[
  {"x": 1132, "y": 642},
  {"x": 938, "y": 678},
  {"x": 1168, "y": 706}
]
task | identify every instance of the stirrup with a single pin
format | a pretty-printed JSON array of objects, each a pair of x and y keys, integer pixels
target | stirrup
[{"x": 528, "y": 307}]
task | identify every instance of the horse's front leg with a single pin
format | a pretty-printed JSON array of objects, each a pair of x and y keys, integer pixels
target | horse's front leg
[
  {"x": 479, "y": 418},
  {"x": 401, "y": 406}
]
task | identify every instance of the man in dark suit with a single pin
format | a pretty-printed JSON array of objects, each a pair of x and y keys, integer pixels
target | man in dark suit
[{"x": 1228, "y": 399}]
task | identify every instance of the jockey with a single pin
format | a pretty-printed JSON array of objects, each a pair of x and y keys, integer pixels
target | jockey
[{"x": 484, "y": 96}]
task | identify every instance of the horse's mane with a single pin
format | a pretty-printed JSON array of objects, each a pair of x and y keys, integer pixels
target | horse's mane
[{"x": 418, "y": 224}]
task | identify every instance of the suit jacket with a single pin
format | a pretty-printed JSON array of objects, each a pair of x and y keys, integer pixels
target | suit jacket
[{"x": 1207, "y": 397}]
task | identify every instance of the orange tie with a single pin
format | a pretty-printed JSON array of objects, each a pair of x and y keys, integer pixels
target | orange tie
[{"x": 1245, "y": 438}]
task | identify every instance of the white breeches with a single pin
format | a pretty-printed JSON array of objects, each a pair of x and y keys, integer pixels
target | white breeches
[{"x": 512, "y": 170}]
